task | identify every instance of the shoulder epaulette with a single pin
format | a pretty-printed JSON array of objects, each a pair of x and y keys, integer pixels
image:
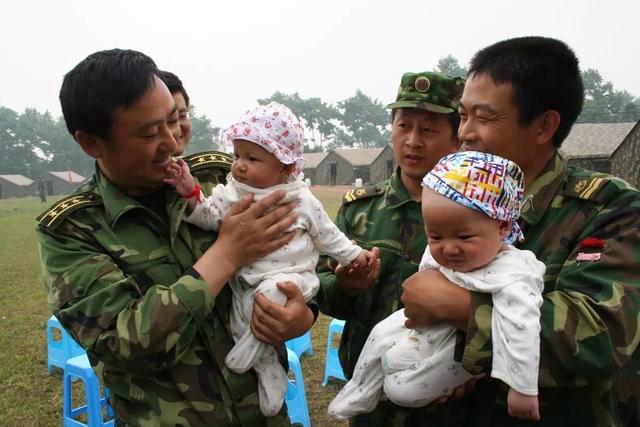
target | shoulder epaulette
[
  {"x": 53, "y": 216},
  {"x": 596, "y": 187},
  {"x": 361, "y": 193},
  {"x": 208, "y": 159}
]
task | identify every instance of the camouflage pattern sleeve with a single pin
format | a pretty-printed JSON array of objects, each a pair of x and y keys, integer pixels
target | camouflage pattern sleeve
[
  {"x": 108, "y": 312},
  {"x": 118, "y": 274},
  {"x": 584, "y": 227},
  {"x": 591, "y": 246}
]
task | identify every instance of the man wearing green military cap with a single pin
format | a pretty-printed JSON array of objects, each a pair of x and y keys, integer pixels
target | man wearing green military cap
[
  {"x": 388, "y": 216},
  {"x": 520, "y": 101},
  {"x": 141, "y": 290}
]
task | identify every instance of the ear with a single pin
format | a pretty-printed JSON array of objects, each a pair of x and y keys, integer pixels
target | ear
[
  {"x": 548, "y": 123},
  {"x": 90, "y": 144},
  {"x": 505, "y": 229}
]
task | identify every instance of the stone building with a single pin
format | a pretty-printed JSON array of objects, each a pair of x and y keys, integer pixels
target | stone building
[
  {"x": 311, "y": 162},
  {"x": 16, "y": 186},
  {"x": 343, "y": 166},
  {"x": 606, "y": 147}
]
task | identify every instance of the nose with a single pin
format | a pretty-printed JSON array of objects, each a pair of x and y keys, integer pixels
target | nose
[
  {"x": 171, "y": 135},
  {"x": 414, "y": 138},
  {"x": 239, "y": 164},
  {"x": 450, "y": 249},
  {"x": 466, "y": 131}
]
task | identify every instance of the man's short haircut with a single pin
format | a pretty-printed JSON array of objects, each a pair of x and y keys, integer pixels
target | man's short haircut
[
  {"x": 544, "y": 74},
  {"x": 174, "y": 84},
  {"x": 102, "y": 83}
]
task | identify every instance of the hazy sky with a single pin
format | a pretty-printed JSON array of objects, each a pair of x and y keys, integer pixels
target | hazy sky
[{"x": 228, "y": 53}]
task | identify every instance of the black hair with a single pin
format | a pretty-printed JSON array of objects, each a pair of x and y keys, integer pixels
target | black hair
[
  {"x": 453, "y": 117},
  {"x": 102, "y": 83},
  {"x": 543, "y": 73},
  {"x": 174, "y": 84}
]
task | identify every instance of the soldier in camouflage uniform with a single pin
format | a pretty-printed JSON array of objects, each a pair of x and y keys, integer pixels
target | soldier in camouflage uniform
[
  {"x": 520, "y": 101},
  {"x": 388, "y": 216},
  {"x": 142, "y": 291}
]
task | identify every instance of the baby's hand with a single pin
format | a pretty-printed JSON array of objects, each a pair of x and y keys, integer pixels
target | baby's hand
[
  {"x": 523, "y": 406},
  {"x": 366, "y": 259},
  {"x": 181, "y": 178},
  {"x": 360, "y": 274}
]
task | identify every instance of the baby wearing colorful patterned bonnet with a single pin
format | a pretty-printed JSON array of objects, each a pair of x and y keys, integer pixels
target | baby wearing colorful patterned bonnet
[
  {"x": 470, "y": 204},
  {"x": 267, "y": 146}
]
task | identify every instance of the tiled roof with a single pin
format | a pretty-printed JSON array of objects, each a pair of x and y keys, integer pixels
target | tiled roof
[
  {"x": 20, "y": 180},
  {"x": 359, "y": 156},
  {"x": 75, "y": 178},
  {"x": 595, "y": 139},
  {"x": 312, "y": 160}
]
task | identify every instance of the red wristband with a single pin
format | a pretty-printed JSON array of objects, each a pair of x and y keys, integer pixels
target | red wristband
[{"x": 195, "y": 193}]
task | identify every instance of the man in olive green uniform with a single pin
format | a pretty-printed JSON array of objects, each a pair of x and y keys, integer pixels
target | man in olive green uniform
[
  {"x": 143, "y": 292},
  {"x": 388, "y": 216},
  {"x": 520, "y": 101}
]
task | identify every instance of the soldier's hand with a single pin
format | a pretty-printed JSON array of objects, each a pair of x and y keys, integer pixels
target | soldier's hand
[
  {"x": 251, "y": 230},
  {"x": 354, "y": 280},
  {"x": 458, "y": 392},
  {"x": 275, "y": 324},
  {"x": 429, "y": 298}
]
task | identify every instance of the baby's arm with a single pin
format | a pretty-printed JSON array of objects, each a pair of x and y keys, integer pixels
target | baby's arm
[
  {"x": 356, "y": 264},
  {"x": 523, "y": 406},
  {"x": 182, "y": 180},
  {"x": 362, "y": 271}
]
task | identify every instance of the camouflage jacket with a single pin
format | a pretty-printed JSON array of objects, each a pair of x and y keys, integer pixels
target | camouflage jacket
[
  {"x": 589, "y": 370},
  {"x": 119, "y": 278},
  {"x": 382, "y": 215}
]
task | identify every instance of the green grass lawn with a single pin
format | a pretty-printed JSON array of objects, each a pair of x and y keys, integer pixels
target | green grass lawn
[{"x": 29, "y": 396}]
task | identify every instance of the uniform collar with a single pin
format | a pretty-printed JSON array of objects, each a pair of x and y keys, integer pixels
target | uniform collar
[
  {"x": 543, "y": 189},
  {"x": 396, "y": 194},
  {"x": 116, "y": 202}
]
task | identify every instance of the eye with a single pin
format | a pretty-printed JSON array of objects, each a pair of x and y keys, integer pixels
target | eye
[
  {"x": 150, "y": 136},
  {"x": 465, "y": 237},
  {"x": 183, "y": 117},
  {"x": 434, "y": 238},
  {"x": 253, "y": 159}
]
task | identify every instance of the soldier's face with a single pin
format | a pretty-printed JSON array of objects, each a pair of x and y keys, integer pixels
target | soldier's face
[
  {"x": 489, "y": 122},
  {"x": 142, "y": 140},
  {"x": 460, "y": 238},
  {"x": 420, "y": 138},
  {"x": 184, "y": 121}
]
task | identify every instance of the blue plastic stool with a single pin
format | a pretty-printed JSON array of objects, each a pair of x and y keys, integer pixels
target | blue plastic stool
[
  {"x": 79, "y": 368},
  {"x": 61, "y": 347},
  {"x": 332, "y": 367},
  {"x": 296, "y": 398},
  {"x": 301, "y": 345}
]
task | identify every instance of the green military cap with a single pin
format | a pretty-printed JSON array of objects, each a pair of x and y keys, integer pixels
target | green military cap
[{"x": 430, "y": 91}]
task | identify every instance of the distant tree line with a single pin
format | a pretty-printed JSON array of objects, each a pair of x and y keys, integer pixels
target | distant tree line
[{"x": 32, "y": 143}]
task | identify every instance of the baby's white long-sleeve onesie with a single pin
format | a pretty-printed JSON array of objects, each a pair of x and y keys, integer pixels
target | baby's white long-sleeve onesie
[
  {"x": 295, "y": 262},
  {"x": 416, "y": 366}
]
